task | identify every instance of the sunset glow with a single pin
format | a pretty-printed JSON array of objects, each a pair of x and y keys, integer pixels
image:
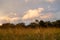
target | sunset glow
[{"x": 23, "y": 10}]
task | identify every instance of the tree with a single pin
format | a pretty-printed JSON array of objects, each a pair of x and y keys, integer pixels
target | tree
[
  {"x": 20, "y": 25},
  {"x": 33, "y": 25},
  {"x": 58, "y": 23},
  {"x": 8, "y": 25},
  {"x": 48, "y": 24},
  {"x": 37, "y": 21},
  {"x": 42, "y": 23}
]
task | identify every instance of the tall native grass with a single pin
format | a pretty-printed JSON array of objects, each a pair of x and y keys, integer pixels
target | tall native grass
[{"x": 30, "y": 34}]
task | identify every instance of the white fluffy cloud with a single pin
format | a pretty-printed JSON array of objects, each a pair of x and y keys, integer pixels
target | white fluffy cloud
[
  {"x": 30, "y": 14},
  {"x": 36, "y": 13}
]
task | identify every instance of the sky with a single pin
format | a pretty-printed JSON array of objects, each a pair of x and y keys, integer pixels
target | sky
[{"x": 17, "y": 11}]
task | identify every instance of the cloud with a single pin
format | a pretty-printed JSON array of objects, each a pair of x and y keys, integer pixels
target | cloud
[
  {"x": 51, "y": 1},
  {"x": 32, "y": 13},
  {"x": 47, "y": 16},
  {"x": 9, "y": 18},
  {"x": 26, "y": 1},
  {"x": 15, "y": 19}
]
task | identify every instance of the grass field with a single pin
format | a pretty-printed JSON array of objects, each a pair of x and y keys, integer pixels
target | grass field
[{"x": 30, "y": 34}]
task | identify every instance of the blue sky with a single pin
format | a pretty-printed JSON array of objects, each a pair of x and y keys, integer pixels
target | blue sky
[{"x": 16, "y": 11}]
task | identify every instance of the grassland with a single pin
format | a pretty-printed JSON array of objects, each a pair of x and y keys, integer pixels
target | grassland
[{"x": 30, "y": 34}]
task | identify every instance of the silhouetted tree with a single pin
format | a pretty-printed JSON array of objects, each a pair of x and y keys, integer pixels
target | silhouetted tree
[
  {"x": 48, "y": 24},
  {"x": 8, "y": 25},
  {"x": 33, "y": 25},
  {"x": 58, "y": 23},
  {"x": 37, "y": 21},
  {"x": 12, "y": 26},
  {"x": 54, "y": 24},
  {"x": 20, "y": 25},
  {"x": 42, "y": 23}
]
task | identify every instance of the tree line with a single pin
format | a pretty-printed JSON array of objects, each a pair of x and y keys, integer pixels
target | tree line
[{"x": 36, "y": 24}]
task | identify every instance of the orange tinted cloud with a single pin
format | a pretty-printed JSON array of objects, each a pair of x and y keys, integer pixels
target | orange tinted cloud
[
  {"x": 30, "y": 14},
  {"x": 11, "y": 17},
  {"x": 5, "y": 18},
  {"x": 46, "y": 16},
  {"x": 51, "y": 1},
  {"x": 8, "y": 19},
  {"x": 26, "y": 1}
]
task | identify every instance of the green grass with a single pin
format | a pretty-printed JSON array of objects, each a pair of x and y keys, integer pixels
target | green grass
[{"x": 30, "y": 34}]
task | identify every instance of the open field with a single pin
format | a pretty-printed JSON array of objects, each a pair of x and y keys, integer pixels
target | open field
[{"x": 30, "y": 34}]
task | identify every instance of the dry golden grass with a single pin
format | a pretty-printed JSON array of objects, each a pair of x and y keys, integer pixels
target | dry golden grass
[
  {"x": 30, "y": 30},
  {"x": 30, "y": 34}
]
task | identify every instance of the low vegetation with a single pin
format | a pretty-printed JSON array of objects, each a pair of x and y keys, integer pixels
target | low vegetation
[
  {"x": 38, "y": 30},
  {"x": 30, "y": 34},
  {"x": 35, "y": 24}
]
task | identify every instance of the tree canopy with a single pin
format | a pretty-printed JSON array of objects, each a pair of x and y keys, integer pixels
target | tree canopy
[{"x": 35, "y": 24}]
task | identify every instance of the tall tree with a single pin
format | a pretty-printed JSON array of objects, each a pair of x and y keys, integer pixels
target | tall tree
[{"x": 42, "y": 23}]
